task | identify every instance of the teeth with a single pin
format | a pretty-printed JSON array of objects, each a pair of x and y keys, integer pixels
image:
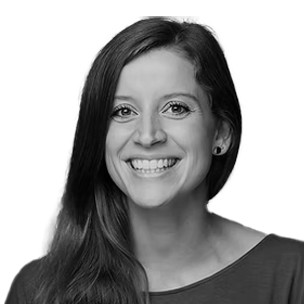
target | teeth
[
  {"x": 160, "y": 163},
  {"x": 152, "y": 164},
  {"x": 146, "y": 164}
]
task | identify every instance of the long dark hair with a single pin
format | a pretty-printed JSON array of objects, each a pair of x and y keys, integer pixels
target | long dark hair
[{"x": 91, "y": 258}]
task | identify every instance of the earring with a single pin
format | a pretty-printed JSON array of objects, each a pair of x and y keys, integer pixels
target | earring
[{"x": 217, "y": 150}]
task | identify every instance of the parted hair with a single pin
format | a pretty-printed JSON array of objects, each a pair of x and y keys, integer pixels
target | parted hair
[{"x": 91, "y": 257}]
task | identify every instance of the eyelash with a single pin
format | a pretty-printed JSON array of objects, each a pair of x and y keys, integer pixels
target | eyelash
[
  {"x": 171, "y": 104},
  {"x": 119, "y": 108},
  {"x": 179, "y": 104}
]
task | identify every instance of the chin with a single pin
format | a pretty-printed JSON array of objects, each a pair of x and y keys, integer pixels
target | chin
[{"x": 148, "y": 201}]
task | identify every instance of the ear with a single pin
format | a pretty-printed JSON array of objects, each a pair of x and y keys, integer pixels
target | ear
[{"x": 222, "y": 138}]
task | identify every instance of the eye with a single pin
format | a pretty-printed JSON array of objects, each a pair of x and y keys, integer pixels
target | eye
[
  {"x": 178, "y": 108},
  {"x": 122, "y": 111}
]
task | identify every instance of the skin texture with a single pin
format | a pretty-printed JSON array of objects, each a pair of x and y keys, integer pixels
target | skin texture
[{"x": 175, "y": 237}]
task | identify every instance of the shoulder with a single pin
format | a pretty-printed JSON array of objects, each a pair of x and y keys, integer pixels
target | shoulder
[
  {"x": 243, "y": 240},
  {"x": 25, "y": 283},
  {"x": 278, "y": 261},
  {"x": 282, "y": 260},
  {"x": 289, "y": 250},
  {"x": 284, "y": 245}
]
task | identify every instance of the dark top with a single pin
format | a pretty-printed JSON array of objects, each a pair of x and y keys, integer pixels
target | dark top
[{"x": 270, "y": 273}]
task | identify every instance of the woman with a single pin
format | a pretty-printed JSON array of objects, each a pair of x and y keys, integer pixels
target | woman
[{"x": 157, "y": 137}]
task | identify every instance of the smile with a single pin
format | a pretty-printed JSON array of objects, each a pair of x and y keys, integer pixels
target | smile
[{"x": 153, "y": 167}]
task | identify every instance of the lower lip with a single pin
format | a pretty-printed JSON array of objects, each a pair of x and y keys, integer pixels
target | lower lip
[{"x": 155, "y": 174}]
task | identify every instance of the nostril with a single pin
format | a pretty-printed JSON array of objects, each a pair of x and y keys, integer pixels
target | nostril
[{"x": 149, "y": 139}]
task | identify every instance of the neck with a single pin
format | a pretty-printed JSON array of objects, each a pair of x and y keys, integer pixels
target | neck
[{"x": 171, "y": 236}]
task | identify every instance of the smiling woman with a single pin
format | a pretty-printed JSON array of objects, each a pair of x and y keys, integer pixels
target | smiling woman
[
  {"x": 157, "y": 137},
  {"x": 154, "y": 131}
]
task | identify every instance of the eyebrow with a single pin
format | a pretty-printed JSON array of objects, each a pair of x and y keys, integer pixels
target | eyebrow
[{"x": 167, "y": 96}]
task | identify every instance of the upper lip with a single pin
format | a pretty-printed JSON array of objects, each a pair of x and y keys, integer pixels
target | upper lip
[{"x": 150, "y": 157}]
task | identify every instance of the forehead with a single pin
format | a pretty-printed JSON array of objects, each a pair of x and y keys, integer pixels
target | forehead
[{"x": 157, "y": 72}]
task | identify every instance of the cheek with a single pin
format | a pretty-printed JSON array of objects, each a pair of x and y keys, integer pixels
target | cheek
[
  {"x": 200, "y": 152},
  {"x": 115, "y": 142},
  {"x": 196, "y": 135},
  {"x": 196, "y": 139},
  {"x": 112, "y": 144}
]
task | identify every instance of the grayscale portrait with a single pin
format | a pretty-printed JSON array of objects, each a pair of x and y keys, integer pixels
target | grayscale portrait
[{"x": 159, "y": 131}]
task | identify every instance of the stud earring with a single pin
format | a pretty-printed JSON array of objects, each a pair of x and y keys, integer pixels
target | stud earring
[{"x": 217, "y": 150}]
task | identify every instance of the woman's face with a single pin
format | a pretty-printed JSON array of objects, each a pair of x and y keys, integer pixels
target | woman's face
[{"x": 161, "y": 134}]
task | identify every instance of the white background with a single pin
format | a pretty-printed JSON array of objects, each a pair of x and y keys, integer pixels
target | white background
[{"x": 46, "y": 51}]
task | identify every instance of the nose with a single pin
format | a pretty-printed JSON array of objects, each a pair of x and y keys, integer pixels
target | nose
[{"x": 149, "y": 132}]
